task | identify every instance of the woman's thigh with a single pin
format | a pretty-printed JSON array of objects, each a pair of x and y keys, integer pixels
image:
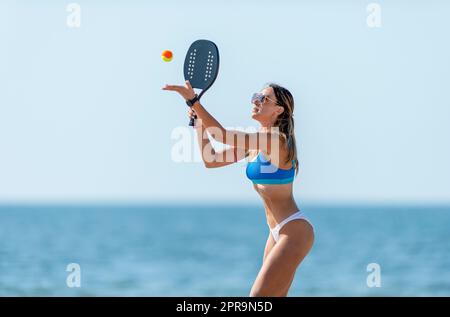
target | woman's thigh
[
  {"x": 278, "y": 269},
  {"x": 269, "y": 246}
]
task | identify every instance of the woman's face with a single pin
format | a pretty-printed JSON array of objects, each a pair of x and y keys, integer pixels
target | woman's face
[{"x": 266, "y": 110}]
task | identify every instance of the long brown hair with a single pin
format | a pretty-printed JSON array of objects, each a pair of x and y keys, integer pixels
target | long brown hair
[{"x": 285, "y": 121}]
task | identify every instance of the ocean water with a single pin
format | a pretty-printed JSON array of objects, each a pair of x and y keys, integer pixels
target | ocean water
[{"x": 165, "y": 250}]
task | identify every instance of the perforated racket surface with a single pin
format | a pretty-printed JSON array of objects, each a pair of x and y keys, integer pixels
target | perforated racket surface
[{"x": 201, "y": 66}]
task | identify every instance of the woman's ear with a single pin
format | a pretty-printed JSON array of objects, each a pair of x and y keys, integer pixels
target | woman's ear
[{"x": 280, "y": 110}]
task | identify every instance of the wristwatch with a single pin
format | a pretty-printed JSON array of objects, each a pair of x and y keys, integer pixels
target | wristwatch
[{"x": 191, "y": 102}]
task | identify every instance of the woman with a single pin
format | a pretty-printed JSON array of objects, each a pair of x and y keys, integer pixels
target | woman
[{"x": 291, "y": 235}]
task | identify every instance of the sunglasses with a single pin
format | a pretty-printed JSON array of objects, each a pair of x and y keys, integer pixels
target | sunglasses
[{"x": 261, "y": 98}]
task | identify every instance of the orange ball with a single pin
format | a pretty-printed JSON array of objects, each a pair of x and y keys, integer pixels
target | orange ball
[{"x": 167, "y": 56}]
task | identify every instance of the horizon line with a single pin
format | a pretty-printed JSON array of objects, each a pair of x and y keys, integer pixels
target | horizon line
[{"x": 143, "y": 203}]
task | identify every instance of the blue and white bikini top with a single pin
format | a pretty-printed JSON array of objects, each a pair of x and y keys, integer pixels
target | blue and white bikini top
[{"x": 261, "y": 171}]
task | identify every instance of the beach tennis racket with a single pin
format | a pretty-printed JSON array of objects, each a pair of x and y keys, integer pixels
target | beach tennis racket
[{"x": 201, "y": 66}]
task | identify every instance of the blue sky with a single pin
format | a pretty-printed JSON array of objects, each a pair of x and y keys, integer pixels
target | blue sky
[{"x": 83, "y": 116}]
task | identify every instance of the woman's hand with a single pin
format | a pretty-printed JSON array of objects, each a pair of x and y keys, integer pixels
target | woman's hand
[{"x": 187, "y": 92}]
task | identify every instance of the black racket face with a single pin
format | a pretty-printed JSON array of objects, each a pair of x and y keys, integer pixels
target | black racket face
[{"x": 201, "y": 65}]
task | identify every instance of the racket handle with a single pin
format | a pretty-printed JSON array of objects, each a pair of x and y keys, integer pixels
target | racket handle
[{"x": 192, "y": 121}]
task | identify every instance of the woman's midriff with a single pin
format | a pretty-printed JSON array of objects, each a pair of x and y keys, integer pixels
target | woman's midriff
[{"x": 278, "y": 202}]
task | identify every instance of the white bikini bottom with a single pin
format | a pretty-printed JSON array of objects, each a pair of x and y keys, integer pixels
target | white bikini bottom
[{"x": 276, "y": 230}]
